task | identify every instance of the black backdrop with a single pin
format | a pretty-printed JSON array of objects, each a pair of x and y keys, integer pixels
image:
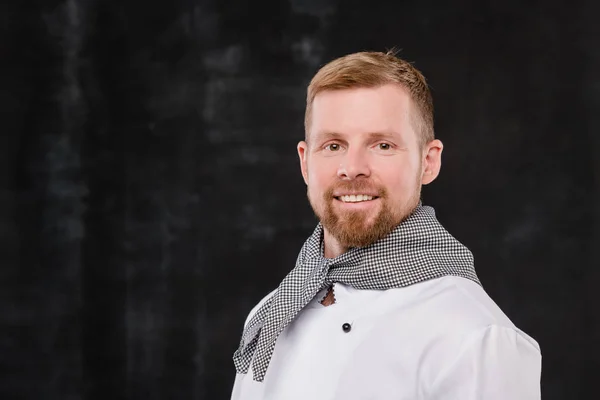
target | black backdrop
[{"x": 150, "y": 191}]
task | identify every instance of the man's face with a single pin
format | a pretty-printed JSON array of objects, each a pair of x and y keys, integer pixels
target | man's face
[{"x": 363, "y": 164}]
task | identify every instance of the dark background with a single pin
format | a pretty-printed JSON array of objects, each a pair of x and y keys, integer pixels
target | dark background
[{"x": 150, "y": 192}]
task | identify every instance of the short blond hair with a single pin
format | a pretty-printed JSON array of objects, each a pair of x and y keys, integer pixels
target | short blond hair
[{"x": 372, "y": 69}]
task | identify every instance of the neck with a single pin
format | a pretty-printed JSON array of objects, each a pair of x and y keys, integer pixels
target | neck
[{"x": 331, "y": 247}]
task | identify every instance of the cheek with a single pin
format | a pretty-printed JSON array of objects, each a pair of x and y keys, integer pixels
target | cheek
[
  {"x": 320, "y": 176},
  {"x": 400, "y": 179}
]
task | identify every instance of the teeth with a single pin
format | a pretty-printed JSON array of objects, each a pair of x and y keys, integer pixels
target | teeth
[{"x": 355, "y": 198}]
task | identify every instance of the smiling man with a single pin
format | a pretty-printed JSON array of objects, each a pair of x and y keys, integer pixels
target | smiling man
[{"x": 383, "y": 302}]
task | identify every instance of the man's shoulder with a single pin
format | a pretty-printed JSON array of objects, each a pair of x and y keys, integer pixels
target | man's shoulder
[
  {"x": 447, "y": 313},
  {"x": 474, "y": 311},
  {"x": 258, "y": 306},
  {"x": 465, "y": 303},
  {"x": 448, "y": 304}
]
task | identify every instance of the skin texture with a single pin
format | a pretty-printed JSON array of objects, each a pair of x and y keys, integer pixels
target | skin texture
[{"x": 364, "y": 141}]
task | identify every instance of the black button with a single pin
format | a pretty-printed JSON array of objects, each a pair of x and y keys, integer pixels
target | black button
[{"x": 346, "y": 327}]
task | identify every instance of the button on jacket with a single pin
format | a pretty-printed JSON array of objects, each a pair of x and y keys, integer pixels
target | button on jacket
[{"x": 442, "y": 339}]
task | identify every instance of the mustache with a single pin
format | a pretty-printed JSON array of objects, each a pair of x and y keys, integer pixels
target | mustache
[{"x": 356, "y": 186}]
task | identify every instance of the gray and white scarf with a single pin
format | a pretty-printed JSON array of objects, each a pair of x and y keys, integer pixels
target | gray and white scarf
[{"x": 417, "y": 250}]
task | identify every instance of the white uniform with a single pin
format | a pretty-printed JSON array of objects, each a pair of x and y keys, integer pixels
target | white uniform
[{"x": 441, "y": 339}]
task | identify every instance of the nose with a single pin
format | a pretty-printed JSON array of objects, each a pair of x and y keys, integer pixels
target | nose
[{"x": 354, "y": 164}]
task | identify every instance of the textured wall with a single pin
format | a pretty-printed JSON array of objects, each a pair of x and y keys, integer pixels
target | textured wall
[{"x": 150, "y": 192}]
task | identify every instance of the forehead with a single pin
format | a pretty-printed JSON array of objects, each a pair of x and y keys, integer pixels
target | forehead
[{"x": 385, "y": 108}]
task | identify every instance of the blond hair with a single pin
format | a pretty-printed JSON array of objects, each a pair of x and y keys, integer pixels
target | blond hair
[{"x": 374, "y": 69}]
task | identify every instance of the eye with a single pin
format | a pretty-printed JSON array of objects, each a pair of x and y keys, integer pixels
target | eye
[
  {"x": 332, "y": 147},
  {"x": 385, "y": 146}
]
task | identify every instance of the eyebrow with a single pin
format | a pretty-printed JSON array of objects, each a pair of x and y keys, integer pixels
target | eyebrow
[
  {"x": 319, "y": 136},
  {"x": 385, "y": 135}
]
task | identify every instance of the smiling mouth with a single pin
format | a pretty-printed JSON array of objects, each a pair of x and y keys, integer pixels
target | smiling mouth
[{"x": 355, "y": 198}]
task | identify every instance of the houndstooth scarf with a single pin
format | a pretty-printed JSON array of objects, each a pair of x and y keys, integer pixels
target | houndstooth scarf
[{"x": 417, "y": 250}]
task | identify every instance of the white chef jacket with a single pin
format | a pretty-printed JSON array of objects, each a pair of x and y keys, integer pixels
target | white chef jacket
[{"x": 442, "y": 339}]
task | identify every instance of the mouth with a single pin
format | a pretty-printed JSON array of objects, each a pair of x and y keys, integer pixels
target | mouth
[{"x": 355, "y": 198}]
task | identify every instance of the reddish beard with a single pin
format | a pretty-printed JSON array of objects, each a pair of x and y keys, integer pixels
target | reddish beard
[{"x": 352, "y": 228}]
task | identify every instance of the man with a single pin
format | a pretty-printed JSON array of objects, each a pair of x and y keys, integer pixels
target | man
[{"x": 383, "y": 302}]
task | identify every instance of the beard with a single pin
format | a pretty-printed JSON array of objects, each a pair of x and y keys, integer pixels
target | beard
[{"x": 353, "y": 228}]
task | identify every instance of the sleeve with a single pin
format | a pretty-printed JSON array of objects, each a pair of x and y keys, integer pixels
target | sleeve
[{"x": 493, "y": 363}]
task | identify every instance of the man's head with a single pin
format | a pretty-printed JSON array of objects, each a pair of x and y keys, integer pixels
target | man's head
[{"x": 369, "y": 145}]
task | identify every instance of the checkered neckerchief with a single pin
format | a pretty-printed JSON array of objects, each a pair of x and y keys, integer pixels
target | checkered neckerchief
[{"x": 417, "y": 250}]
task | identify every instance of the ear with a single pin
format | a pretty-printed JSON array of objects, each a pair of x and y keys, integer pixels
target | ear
[
  {"x": 302, "y": 150},
  {"x": 432, "y": 161}
]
